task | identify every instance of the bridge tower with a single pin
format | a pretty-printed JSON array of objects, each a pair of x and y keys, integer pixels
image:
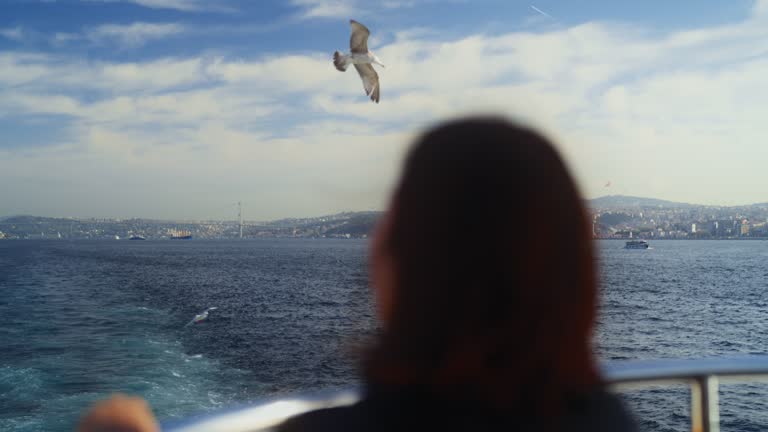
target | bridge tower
[{"x": 240, "y": 216}]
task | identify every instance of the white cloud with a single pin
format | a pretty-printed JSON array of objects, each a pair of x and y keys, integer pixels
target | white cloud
[
  {"x": 760, "y": 8},
  {"x": 61, "y": 38},
  {"x": 19, "y": 68},
  {"x": 326, "y": 8},
  {"x": 621, "y": 101},
  {"x": 133, "y": 35},
  {"x": 180, "y": 5},
  {"x": 50, "y": 73},
  {"x": 171, "y": 4},
  {"x": 153, "y": 75},
  {"x": 15, "y": 33},
  {"x": 398, "y": 4},
  {"x": 125, "y": 35},
  {"x": 344, "y": 9}
]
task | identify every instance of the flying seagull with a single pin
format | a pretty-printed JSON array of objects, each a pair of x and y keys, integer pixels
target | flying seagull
[
  {"x": 362, "y": 58},
  {"x": 201, "y": 316}
]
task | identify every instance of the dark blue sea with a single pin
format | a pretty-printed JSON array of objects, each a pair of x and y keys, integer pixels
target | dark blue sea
[{"x": 83, "y": 319}]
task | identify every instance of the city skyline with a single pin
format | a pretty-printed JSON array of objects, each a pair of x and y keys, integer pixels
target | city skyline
[
  {"x": 177, "y": 109},
  {"x": 612, "y": 217},
  {"x": 594, "y": 205}
]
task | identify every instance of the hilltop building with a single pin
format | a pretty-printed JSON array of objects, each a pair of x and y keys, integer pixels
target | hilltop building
[{"x": 744, "y": 228}]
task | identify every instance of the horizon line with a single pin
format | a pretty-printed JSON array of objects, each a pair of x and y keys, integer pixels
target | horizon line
[{"x": 182, "y": 220}]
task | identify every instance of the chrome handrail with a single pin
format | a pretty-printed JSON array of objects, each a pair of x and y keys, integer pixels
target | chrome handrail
[
  {"x": 703, "y": 376},
  {"x": 263, "y": 415}
]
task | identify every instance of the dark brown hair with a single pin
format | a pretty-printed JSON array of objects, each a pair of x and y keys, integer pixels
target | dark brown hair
[{"x": 495, "y": 290}]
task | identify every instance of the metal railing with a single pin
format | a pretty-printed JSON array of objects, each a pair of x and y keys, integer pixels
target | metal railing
[{"x": 703, "y": 376}]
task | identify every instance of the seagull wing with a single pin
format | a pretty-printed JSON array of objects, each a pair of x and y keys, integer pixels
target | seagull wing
[
  {"x": 370, "y": 80},
  {"x": 358, "y": 42}
]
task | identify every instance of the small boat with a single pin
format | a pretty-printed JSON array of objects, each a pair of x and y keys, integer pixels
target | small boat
[
  {"x": 136, "y": 237},
  {"x": 636, "y": 244}
]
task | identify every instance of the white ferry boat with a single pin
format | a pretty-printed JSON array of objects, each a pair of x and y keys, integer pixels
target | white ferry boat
[{"x": 636, "y": 244}]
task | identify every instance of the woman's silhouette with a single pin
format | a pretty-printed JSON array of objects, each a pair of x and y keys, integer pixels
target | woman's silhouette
[{"x": 484, "y": 278}]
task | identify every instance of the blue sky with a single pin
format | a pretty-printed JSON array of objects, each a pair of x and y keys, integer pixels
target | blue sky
[
  {"x": 179, "y": 108},
  {"x": 264, "y": 27}
]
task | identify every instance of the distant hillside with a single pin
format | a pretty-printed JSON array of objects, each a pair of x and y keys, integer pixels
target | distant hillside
[
  {"x": 624, "y": 201},
  {"x": 344, "y": 225},
  {"x": 358, "y": 224},
  {"x": 30, "y": 220}
]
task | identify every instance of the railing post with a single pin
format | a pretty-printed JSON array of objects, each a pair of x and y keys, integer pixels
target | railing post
[{"x": 705, "y": 408}]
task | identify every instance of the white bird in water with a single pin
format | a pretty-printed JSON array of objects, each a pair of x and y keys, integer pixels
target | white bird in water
[
  {"x": 362, "y": 58},
  {"x": 201, "y": 316}
]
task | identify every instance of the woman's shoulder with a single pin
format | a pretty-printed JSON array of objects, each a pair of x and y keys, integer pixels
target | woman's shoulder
[
  {"x": 600, "y": 410},
  {"x": 327, "y": 419},
  {"x": 596, "y": 411}
]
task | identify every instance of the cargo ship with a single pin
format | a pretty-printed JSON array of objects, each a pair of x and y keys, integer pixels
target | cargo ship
[{"x": 180, "y": 234}]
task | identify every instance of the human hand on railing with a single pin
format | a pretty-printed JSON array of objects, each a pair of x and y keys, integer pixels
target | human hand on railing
[{"x": 119, "y": 414}]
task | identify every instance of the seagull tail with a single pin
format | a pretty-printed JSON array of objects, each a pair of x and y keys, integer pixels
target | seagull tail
[{"x": 340, "y": 61}]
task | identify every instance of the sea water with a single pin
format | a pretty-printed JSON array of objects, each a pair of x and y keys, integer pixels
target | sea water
[
  {"x": 84, "y": 319},
  {"x": 687, "y": 299}
]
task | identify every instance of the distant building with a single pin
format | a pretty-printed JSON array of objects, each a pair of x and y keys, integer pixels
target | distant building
[
  {"x": 745, "y": 227},
  {"x": 693, "y": 228}
]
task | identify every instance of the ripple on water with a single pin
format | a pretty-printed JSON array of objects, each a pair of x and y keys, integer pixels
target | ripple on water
[
  {"x": 85, "y": 319},
  {"x": 685, "y": 299}
]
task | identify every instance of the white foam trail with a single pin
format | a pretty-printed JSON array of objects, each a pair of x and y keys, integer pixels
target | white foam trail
[{"x": 201, "y": 316}]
